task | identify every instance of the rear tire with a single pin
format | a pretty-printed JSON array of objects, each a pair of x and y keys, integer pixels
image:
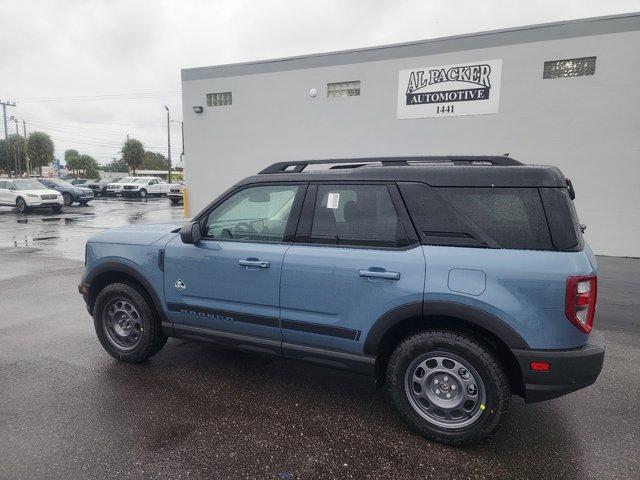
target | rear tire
[
  {"x": 126, "y": 324},
  {"x": 175, "y": 201},
  {"x": 21, "y": 205},
  {"x": 448, "y": 387}
]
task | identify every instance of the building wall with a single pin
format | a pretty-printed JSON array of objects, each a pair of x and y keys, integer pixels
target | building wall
[{"x": 588, "y": 126}]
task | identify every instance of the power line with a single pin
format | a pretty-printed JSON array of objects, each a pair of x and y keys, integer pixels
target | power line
[
  {"x": 157, "y": 125},
  {"x": 92, "y": 98}
]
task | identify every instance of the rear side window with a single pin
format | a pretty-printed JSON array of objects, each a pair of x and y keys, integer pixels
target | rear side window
[
  {"x": 360, "y": 215},
  {"x": 478, "y": 217},
  {"x": 563, "y": 219}
]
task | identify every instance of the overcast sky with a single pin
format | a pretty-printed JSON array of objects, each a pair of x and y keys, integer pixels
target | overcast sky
[{"x": 58, "y": 57}]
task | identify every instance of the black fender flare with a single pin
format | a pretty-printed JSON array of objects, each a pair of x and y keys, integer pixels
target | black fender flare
[
  {"x": 109, "y": 267},
  {"x": 467, "y": 313}
]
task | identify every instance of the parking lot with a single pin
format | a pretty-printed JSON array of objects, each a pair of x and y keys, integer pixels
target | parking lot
[{"x": 68, "y": 410}]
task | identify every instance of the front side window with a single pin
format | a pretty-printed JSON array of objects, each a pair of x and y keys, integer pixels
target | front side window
[
  {"x": 360, "y": 215},
  {"x": 257, "y": 214}
]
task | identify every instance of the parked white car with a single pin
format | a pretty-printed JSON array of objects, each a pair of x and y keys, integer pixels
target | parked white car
[
  {"x": 176, "y": 194},
  {"x": 144, "y": 186},
  {"x": 115, "y": 188},
  {"x": 27, "y": 193}
]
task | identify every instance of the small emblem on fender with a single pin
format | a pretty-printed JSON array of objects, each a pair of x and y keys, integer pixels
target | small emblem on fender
[{"x": 180, "y": 285}]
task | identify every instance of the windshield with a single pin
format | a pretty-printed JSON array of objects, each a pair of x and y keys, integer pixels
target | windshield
[
  {"x": 59, "y": 182},
  {"x": 141, "y": 180},
  {"x": 28, "y": 184},
  {"x": 126, "y": 180}
]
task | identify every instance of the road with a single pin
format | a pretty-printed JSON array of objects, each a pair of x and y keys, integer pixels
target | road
[{"x": 68, "y": 410}]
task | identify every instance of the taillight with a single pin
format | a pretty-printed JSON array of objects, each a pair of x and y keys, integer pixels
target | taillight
[{"x": 580, "y": 301}]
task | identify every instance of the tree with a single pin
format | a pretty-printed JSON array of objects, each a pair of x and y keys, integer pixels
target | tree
[
  {"x": 88, "y": 165},
  {"x": 71, "y": 157},
  {"x": 133, "y": 154},
  {"x": 4, "y": 166},
  {"x": 116, "y": 165},
  {"x": 155, "y": 161},
  {"x": 40, "y": 150},
  {"x": 14, "y": 145}
]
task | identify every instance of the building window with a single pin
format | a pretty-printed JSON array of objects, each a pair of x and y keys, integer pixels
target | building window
[
  {"x": 343, "y": 89},
  {"x": 571, "y": 67},
  {"x": 218, "y": 99}
]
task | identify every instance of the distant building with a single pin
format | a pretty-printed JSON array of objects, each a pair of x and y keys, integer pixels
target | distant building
[{"x": 563, "y": 93}]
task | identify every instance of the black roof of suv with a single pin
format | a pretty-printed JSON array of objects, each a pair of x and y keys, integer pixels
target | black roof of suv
[{"x": 440, "y": 171}]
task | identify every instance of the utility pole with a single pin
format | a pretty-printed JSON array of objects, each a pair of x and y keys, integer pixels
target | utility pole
[
  {"x": 6, "y": 104},
  {"x": 168, "y": 143},
  {"x": 17, "y": 156},
  {"x": 26, "y": 153}
]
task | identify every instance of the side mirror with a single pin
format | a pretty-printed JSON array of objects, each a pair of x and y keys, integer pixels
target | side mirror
[{"x": 191, "y": 233}]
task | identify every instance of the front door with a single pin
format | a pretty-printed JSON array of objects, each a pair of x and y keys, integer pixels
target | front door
[
  {"x": 354, "y": 261},
  {"x": 230, "y": 280}
]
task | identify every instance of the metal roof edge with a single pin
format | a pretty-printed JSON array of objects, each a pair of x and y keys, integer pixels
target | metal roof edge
[{"x": 493, "y": 38}]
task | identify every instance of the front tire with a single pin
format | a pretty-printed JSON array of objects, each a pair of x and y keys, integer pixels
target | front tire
[
  {"x": 143, "y": 193},
  {"x": 126, "y": 324},
  {"x": 56, "y": 209},
  {"x": 21, "y": 205},
  {"x": 448, "y": 387},
  {"x": 67, "y": 199}
]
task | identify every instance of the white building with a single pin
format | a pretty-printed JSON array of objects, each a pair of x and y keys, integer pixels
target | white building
[{"x": 564, "y": 94}]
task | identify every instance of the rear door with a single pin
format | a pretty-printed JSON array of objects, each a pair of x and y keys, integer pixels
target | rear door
[
  {"x": 230, "y": 281},
  {"x": 355, "y": 257}
]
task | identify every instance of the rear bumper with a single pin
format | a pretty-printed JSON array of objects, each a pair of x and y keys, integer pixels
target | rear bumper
[{"x": 570, "y": 370}]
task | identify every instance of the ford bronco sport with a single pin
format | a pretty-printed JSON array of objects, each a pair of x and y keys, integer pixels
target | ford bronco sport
[{"x": 456, "y": 281}]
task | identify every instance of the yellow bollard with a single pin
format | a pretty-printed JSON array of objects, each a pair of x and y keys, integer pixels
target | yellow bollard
[{"x": 185, "y": 202}]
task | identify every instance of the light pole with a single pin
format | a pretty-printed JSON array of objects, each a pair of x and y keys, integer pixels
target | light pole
[
  {"x": 168, "y": 144},
  {"x": 26, "y": 154}
]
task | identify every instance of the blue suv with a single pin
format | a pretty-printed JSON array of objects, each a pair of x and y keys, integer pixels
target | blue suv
[{"x": 455, "y": 281}]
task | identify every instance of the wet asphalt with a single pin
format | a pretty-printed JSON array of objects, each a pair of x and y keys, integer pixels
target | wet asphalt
[{"x": 68, "y": 410}]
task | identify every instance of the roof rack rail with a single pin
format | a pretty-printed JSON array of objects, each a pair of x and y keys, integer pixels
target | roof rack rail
[{"x": 299, "y": 166}]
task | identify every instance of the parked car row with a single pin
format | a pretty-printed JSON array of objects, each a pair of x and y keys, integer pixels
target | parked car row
[
  {"x": 143, "y": 187},
  {"x": 31, "y": 193}
]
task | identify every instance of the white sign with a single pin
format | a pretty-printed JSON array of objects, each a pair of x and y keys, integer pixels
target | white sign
[
  {"x": 471, "y": 88},
  {"x": 333, "y": 200}
]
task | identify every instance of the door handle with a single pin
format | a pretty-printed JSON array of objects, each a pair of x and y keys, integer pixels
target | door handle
[
  {"x": 379, "y": 274},
  {"x": 252, "y": 262}
]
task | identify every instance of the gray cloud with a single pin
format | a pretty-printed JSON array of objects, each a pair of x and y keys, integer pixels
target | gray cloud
[{"x": 71, "y": 48}]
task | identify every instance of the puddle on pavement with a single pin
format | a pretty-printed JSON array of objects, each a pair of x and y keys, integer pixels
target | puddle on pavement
[
  {"x": 65, "y": 233},
  {"x": 20, "y": 250}
]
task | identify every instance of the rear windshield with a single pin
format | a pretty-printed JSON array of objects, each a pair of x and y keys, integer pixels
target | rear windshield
[{"x": 487, "y": 217}]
